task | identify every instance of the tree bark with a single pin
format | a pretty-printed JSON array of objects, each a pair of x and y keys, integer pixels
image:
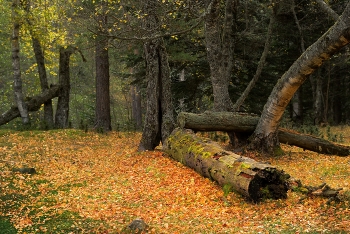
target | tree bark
[
  {"x": 40, "y": 60},
  {"x": 219, "y": 44},
  {"x": 136, "y": 106},
  {"x": 17, "y": 80},
  {"x": 62, "y": 112},
  {"x": 328, "y": 10},
  {"x": 246, "y": 176},
  {"x": 103, "y": 108},
  {"x": 33, "y": 104},
  {"x": 159, "y": 119},
  {"x": 246, "y": 123},
  {"x": 265, "y": 135}
]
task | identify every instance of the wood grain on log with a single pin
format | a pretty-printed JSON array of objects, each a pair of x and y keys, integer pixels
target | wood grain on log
[
  {"x": 246, "y": 176},
  {"x": 243, "y": 122}
]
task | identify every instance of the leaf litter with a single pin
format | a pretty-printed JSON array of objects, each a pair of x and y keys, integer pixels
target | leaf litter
[{"x": 89, "y": 176}]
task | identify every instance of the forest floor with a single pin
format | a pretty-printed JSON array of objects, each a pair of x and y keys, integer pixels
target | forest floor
[{"x": 95, "y": 183}]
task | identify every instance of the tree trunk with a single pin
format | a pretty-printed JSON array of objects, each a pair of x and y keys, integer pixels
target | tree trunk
[
  {"x": 33, "y": 104},
  {"x": 318, "y": 104},
  {"x": 219, "y": 44},
  {"x": 338, "y": 36},
  {"x": 159, "y": 120},
  {"x": 136, "y": 106},
  {"x": 61, "y": 117},
  {"x": 261, "y": 64},
  {"x": 103, "y": 108},
  {"x": 40, "y": 60},
  {"x": 246, "y": 176},
  {"x": 102, "y": 111},
  {"x": 17, "y": 84},
  {"x": 246, "y": 123}
]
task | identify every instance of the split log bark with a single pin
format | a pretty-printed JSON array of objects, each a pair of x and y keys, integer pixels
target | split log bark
[
  {"x": 244, "y": 122},
  {"x": 246, "y": 176},
  {"x": 33, "y": 104}
]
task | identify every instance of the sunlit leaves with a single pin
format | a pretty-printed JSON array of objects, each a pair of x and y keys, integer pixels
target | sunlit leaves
[{"x": 102, "y": 177}]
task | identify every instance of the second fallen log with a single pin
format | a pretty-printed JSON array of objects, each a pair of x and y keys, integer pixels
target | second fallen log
[
  {"x": 246, "y": 123},
  {"x": 246, "y": 176}
]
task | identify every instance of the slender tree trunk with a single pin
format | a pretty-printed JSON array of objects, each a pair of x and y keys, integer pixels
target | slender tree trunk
[
  {"x": 40, "y": 60},
  {"x": 159, "y": 119},
  {"x": 136, "y": 106},
  {"x": 62, "y": 112},
  {"x": 338, "y": 36},
  {"x": 327, "y": 9},
  {"x": 17, "y": 84},
  {"x": 297, "y": 107},
  {"x": 260, "y": 67},
  {"x": 318, "y": 104}
]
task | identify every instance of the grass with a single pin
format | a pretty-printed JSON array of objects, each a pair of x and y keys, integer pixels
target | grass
[{"x": 93, "y": 183}]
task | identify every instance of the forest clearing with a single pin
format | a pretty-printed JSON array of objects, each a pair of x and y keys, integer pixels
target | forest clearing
[{"x": 99, "y": 183}]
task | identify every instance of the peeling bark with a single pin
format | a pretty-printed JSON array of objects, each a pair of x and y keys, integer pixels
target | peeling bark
[{"x": 243, "y": 175}]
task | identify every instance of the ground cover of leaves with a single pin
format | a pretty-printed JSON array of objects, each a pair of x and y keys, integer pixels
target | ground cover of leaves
[{"x": 95, "y": 183}]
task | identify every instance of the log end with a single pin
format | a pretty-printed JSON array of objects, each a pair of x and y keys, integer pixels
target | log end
[{"x": 269, "y": 183}]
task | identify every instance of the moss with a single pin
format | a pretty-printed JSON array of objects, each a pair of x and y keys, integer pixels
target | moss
[
  {"x": 277, "y": 151},
  {"x": 245, "y": 165},
  {"x": 227, "y": 188}
]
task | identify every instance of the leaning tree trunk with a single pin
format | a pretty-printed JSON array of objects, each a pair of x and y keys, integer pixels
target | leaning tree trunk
[
  {"x": 159, "y": 120},
  {"x": 265, "y": 135},
  {"x": 17, "y": 84},
  {"x": 61, "y": 117},
  {"x": 40, "y": 60},
  {"x": 246, "y": 123},
  {"x": 246, "y": 176},
  {"x": 33, "y": 104}
]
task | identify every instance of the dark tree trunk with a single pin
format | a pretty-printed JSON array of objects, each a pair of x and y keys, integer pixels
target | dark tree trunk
[
  {"x": 159, "y": 120},
  {"x": 34, "y": 104},
  {"x": 61, "y": 117},
  {"x": 103, "y": 104},
  {"x": 17, "y": 84},
  {"x": 103, "y": 111},
  {"x": 40, "y": 60},
  {"x": 265, "y": 135},
  {"x": 246, "y": 176},
  {"x": 245, "y": 124},
  {"x": 219, "y": 44},
  {"x": 318, "y": 103},
  {"x": 136, "y": 106}
]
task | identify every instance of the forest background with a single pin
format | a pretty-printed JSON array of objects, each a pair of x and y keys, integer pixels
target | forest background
[
  {"x": 108, "y": 45},
  {"x": 323, "y": 99}
]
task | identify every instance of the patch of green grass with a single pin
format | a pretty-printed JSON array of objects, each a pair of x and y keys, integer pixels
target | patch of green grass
[
  {"x": 65, "y": 222},
  {"x": 6, "y": 226}
]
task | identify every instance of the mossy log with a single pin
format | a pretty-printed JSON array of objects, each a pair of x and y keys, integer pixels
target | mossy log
[
  {"x": 33, "y": 103},
  {"x": 246, "y": 123},
  {"x": 246, "y": 176}
]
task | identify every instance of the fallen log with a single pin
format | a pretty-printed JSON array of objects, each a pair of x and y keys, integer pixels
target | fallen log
[
  {"x": 33, "y": 103},
  {"x": 244, "y": 122},
  {"x": 246, "y": 176}
]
